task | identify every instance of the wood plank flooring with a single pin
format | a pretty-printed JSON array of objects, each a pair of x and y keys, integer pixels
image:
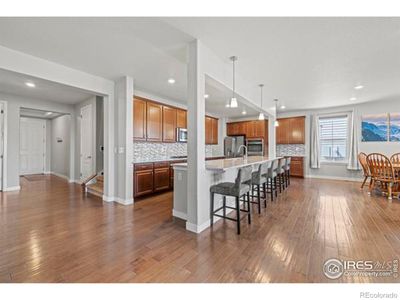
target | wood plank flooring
[{"x": 50, "y": 232}]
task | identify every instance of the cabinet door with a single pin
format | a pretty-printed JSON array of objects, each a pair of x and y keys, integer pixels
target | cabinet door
[
  {"x": 214, "y": 126},
  {"x": 162, "y": 180},
  {"x": 169, "y": 124},
  {"x": 143, "y": 182},
  {"x": 250, "y": 130},
  {"x": 181, "y": 118},
  {"x": 154, "y": 122},
  {"x": 242, "y": 128},
  {"x": 259, "y": 129},
  {"x": 139, "y": 119},
  {"x": 229, "y": 128},
  {"x": 297, "y": 167},
  {"x": 208, "y": 130},
  {"x": 282, "y": 131},
  {"x": 297, "y": 130}
]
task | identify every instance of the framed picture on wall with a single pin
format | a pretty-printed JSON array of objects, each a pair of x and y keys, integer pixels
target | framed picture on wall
[
  {"x": 374, "y": 128},
  {"x": 394, "y": 127}
]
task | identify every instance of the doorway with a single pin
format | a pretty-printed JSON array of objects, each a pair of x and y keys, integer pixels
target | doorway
[{"x": 86, "y": 141}]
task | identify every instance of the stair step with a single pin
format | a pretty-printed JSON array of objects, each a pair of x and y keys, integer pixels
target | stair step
[
  {"x": 95, "y": 189},
  {"x": 100, "y": 178}
]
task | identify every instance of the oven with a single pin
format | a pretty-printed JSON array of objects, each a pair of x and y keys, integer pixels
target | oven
[
  {"x": 255, "y": 147},
  {"x": 181, "y": 135}
]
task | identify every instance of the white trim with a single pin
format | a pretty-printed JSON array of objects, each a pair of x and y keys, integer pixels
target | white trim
[
  {"x": 334, "y": 178},
  {"x": 178, "y": 214},
  {"x": 12, "y": 188},
  {"x": 5, "y": 142},
  {"x": 108, "y": 198},
  {"x": 123, "y": 201},
  {"x": 197, "y": 228},
  {"x": 60, "y": 175}
]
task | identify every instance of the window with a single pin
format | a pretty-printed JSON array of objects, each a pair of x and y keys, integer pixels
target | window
[{"x": 333, "y": 138}]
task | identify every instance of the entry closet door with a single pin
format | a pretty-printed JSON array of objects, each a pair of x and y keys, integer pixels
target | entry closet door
[{"x": 32, "y": 146}]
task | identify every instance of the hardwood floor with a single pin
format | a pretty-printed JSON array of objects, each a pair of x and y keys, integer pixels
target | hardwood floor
[{"x": 50, "y": 232}]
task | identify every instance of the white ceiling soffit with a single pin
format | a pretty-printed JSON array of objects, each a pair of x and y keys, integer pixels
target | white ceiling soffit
[
  {"x": 35, "y": 113},
  {"x": 14, "y": 83},
  {"x": 148, "y": 49},
  {"x": 308, "y": 63}
]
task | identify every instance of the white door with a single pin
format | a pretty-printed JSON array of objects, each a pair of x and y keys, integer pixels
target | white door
[
  {"x": 32, "y": 146},
  {"x": 86, "y": 141},
  {"x": 1, "y": 144}
]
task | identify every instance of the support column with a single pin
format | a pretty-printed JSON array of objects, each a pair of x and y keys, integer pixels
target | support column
[
  {"x": 197, "y": 215},
  {"x": 124, "y": 144},
  {"x": 271, "y": 136},
  {"x": 109, "y": 145}
]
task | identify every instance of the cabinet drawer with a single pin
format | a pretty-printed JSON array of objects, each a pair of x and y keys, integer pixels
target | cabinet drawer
[
  {"x": 161, "y": 164},
  {"x": 144, "y": 166}
]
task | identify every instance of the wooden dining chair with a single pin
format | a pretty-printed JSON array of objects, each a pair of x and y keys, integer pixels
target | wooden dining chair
[
  {"x": 362, "y": 158},
  {"x": 395, "y": 158},
  {"x": 382, "y": 171}
]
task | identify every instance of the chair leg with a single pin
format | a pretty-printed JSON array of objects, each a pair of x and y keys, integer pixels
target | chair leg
[
  {"x": 224, "y": 204},
  {"x": 389, "y": 191},
  {"x": 280, "y": 183},
  {"x": 271, "y": 189},
  {"x": 265, "y": 194},
  {"x": 288, "y": 176},
  {"x": 371, "y": 186},
  {"x": 365, "y": 179},
  {"x": 275, "y": 186},
  {"x": 249, "y": 206},
  {"x": 238, "y": 214},
  {"x": 259, "y": 198},
  {"x": 212, "y": 210}
]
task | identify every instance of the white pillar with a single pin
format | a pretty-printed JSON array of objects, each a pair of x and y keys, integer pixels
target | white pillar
[
  {"x": 124, "y": 144},
  {"x": 271, "y": 136},
  {"x": 109, "y": 146},
  {"x": 196, "y": 215}
]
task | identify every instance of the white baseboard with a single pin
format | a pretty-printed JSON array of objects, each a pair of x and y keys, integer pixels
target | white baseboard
[
  {"x": 179, "y": 214},
  {"x": 334, "y": 178},
  {"x": 123, "y": 201},
  {"x": 60, "y": 175},
  {"x": 12, "y": 188},
  {"x": 108, "y": 198},
  {"x": 197, "y": 228}
]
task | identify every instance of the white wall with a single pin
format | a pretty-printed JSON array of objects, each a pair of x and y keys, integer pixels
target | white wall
[
  {"x": 14, "y": 103},
  {"x": 60, "y": 158},
  {"x": 340, "y": 170}
]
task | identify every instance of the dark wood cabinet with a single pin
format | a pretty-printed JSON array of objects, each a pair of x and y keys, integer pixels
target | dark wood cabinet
[
  {"x": 291, "y": 131},
  {"x": 181, "y": 118},
  {"x": 211, "y": 130},
  {"x": 139, "y": 119},
  {"x": 161, "y": 179},
  {"x": 143, "y": 179},
  {"x": 154, "y": 122},
  {"x": 297, "y": 166},
  {"x": 169, "y": 124}
]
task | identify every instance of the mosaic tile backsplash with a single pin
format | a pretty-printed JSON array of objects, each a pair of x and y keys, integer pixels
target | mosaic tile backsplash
[
  {"x": 291, "y": 150},
  {"x": 143, "y": 151}
]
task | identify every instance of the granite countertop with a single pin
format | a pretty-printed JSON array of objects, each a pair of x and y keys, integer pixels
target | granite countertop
[
  {"x": 221, "y": 165},
  {"x": 166, "y": 159}
]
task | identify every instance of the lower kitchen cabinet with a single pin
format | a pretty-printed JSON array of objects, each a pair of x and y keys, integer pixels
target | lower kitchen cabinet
[
  {"x": 297, "y": 166},
  {"x": 143, "y": 179},
  {"x": 161, "y": 179}
]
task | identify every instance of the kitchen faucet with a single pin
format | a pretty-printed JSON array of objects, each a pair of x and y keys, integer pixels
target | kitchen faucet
[{"x": 240, "y": 147}]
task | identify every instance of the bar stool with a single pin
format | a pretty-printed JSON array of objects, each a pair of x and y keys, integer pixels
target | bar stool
[
  {"x": 238, "y": 189},
  {"x": 258, "y": 181},
  {"x": 281, "y": 173},
  {"x": 271, "y": 179},
  {"x": 287, "y": 170}
]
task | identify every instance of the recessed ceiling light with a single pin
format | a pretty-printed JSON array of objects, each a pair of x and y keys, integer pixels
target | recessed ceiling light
[
  {"x": 49, "y": 113},
  {"x": 353, "y": 98},
  {"x": 206, "y": 96},
  {"x": 244, "y": 112},
  {"x": 30, "y": 84},
  {"x": 171, "y": 81},
  {"x": 227, "y": 105},
  {"x": 358, "y": 87},
  {"x": 283, "y": 106}
]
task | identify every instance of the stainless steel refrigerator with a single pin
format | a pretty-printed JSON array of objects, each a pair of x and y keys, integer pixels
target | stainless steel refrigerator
[{"x": 232, "y": 144}]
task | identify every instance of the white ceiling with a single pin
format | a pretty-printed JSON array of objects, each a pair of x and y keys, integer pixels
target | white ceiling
[
  {"x": 308, "y": 62},
  {"x": 305, "y": 62},
  {"x": 14, "y": 83},
  {"x": 35, "y": 113}
]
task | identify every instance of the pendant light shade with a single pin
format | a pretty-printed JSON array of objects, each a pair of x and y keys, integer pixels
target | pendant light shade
[
  {"x": 276, "y": 123},
  {"x": 261, "y": 115},
  {"x": 233, "y": 102}
]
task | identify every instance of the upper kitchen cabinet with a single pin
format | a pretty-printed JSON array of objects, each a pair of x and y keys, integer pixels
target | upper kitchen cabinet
[
  {"x": 139, "y": 119},
  {"x": 154, "y": 122},
  {"x": 211, "y": 130},
  {"x": 291, "y": 131},
  {"x": 251, "y": 129},
  {"x": 169, "y": 116},
  {"x": 181, "y": 118}
]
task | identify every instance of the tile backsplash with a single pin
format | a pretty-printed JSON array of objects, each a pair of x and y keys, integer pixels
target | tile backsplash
[
  {"x": 143, "y": 151},
  {"x": 291, "y": 149}
]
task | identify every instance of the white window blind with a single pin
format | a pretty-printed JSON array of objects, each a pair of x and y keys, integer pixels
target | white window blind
[{"x": 333, "y": 138}]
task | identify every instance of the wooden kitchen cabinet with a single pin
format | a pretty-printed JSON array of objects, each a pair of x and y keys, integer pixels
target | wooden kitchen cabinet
[
  {"x": 168, "y": 124},
  {"x": 139, "y": 119},
  {"x": 161, "y": 178},
  {"x": 297, "y": 166},
  {"x": 291, "y": 131},
  {"x": 154, "y": 122},
  {"x": 211, "y": 130},
  {"x": 282, "y": 131},
  {"x": 143, "y": 179},
  {"x": 181, "y": 118}
]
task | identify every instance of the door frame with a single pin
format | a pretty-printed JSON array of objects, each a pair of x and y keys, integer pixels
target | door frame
[
  {"x": 44, "y": 146},
  {"x": 4, "y": 133},
  {"x": 93, "y": 139}
]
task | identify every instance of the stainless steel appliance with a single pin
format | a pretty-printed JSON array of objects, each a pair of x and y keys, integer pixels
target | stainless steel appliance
[
  {"x": 255, "y": 147},
  {"x": 232, "y": 145},
  {"x": 181, "y": 135}
]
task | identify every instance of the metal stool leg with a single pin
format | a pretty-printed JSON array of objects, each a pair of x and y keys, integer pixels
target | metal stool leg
[
  {"x": 259, "y": 198},
  {"x": 212, "y": 210},
  {"x": 249, "y": 212},
  {"x": 265, "y": 194},
  {"x": 238, "y": 214}
]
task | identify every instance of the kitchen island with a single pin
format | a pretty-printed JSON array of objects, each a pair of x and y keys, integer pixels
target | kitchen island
[{"x": 197, "y": 212}]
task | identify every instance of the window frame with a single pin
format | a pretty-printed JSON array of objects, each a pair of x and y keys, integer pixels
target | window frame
[{"x": 336, "y": 115}]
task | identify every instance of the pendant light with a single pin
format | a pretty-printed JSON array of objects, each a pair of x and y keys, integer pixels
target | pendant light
[
  {"x": 276, "y": 123},
  {"x": 261, "y": 115},
  {"x": 234, "y": 102}
]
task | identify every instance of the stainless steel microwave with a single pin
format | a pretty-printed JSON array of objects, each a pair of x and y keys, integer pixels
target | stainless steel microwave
[{"x": 181, "y": 135}]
